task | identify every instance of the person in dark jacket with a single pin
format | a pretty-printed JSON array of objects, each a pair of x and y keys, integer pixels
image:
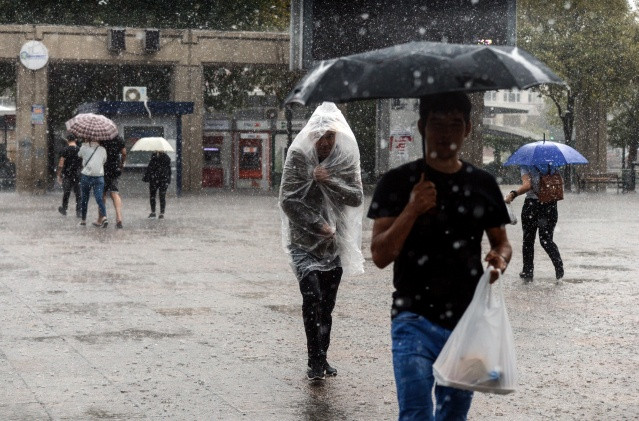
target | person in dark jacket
[
  {"x": 321, "y": 201},
  {"x": 158, "y": 175},
  {"x": 69, "y": 168}
]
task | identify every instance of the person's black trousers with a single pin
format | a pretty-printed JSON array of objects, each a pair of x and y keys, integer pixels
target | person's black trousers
[
  {"x": 153, "y": 190},
  {"x": 543, "y": 217},
  {"x": 69, "y": 185},
  {"x": 319, "y": 292}
]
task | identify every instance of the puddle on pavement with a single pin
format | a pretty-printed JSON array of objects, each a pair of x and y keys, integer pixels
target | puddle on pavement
[
  {"x": 128, "y": 334},
  {"x": 184, "y": 311},
  {"x": 102, "y": 414},
  {"x": 251, "y": 295},
  {"x": 92, "y": 308},
  {"x": 286, "y": 309}
]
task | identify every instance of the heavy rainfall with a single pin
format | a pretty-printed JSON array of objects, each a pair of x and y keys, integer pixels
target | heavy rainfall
[{"x": 155, "y": 219}]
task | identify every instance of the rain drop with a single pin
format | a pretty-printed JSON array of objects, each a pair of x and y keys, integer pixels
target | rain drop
[
  {"x": 422, "y": 31},
  {"x": 430, "y": 80},
  {"x": 364, "y": 16}
]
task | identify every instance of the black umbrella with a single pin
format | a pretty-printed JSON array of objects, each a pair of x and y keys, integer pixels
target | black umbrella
[{"x": 416, "y": 69}]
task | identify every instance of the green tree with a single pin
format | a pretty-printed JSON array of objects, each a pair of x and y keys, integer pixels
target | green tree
[
  {"x": 227, "y": 88},
  {"x": 245, "y": 15},
  {"x": 592, "y": 45}
]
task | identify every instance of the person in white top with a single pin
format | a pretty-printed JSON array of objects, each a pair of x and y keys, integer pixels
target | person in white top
[{"x": 93, "y": 158}]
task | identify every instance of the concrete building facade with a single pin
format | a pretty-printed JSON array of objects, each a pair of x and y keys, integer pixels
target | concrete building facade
[{"x": 186, "y": 51}]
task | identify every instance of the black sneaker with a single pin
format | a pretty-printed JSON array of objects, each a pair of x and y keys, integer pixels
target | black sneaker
[
  {"x": 152, "y": 215},
  {"x": 161, "y": 216},
  {"x": 62, "y": 210},
  {"x": 315, "y": 373},
  {"x": 118, "y": 224},
  {"x": 330, "y": 371},
  {"x": 559, "y": 273},
  {"x": 526, "y": 276}
]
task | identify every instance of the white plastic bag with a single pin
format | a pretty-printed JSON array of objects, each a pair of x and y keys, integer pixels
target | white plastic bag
[{"x": 480, "y": 353}]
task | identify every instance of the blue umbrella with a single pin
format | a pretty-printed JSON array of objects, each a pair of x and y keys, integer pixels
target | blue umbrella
[{"x": 545, "y": 153}]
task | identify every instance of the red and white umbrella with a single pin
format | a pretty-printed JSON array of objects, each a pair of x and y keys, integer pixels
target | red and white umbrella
[{"x": 92, "y": 126}]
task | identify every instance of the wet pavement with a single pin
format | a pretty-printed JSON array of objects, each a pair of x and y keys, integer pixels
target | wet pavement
[{"x": 198, "y": 317}]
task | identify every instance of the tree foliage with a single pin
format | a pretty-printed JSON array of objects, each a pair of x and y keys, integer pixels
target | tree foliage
[
  {"x": 245, "y": 15},
  {"x": 228, "y": 87},
  {"x": 592, "y": 45}
]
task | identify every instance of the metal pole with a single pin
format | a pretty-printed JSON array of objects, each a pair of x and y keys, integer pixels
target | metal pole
[{"x": 178, "y": 155}]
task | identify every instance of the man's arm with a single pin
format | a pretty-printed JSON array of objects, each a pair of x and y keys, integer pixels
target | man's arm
[
  {"x": 60, "y": 168},
  {"x": 500, "y": 251},
  {"x": 390, "y": 233},
  {"x": 345, "y": 184}
]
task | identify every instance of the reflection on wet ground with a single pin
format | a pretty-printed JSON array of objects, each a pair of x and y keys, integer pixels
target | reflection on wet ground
[{"x": 198, "y": 316}]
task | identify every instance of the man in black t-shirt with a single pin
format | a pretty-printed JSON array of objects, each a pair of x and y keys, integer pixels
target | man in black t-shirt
[
  {"x": 430, "y": 216},
  {"x": 69, "y": 168},
  {"x": 116, "y": 155}
]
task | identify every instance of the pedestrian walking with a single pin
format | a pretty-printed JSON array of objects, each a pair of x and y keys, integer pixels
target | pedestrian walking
[
  {"x": 321, "y": 201},
  {"x": 429, "y": 219},
  {"x": 69, "y": 167},
  {"x": 158, "y": 175},
  {"x": 93, "y": 158},
  {"x": 116, "y": 156},
  {"x": 537, "y": 216}
]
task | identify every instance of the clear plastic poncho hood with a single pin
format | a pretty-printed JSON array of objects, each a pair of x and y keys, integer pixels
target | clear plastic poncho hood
[{"x": 322, "y": 216}]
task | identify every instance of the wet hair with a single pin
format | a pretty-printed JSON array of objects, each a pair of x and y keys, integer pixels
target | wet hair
[
  {"x": 71, "y": 137},
  {"x": 445, "y": 103}
]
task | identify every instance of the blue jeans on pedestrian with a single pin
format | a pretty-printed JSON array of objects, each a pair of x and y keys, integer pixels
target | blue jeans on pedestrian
[
  {"x": 416, "y": 344},
  {"x": 97, "y": 184}
]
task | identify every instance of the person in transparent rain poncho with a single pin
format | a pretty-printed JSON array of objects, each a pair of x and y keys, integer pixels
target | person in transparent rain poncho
[{"x": 321, "y": 201}]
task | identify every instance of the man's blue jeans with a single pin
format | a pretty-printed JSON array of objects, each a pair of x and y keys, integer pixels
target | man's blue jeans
[
  {"x": 416, "y": 344},
  {"x": 97, "y": 183}
]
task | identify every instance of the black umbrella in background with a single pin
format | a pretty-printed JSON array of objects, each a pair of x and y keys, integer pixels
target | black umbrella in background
[{"x": 416, "y": 69}]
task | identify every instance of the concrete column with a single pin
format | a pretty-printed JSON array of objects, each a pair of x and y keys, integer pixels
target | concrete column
[
  {"x": 31, "y": 157},
  {"x": 473, "y": 148},
  {"x": 188, "y": 85}
]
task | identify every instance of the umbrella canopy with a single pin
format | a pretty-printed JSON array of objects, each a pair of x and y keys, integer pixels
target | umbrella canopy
[
  {"x": 152, "y": 144},
  {"x": 545, "y": 153},
  {"x": 92, "y": 126},
  {"x": 416, "y": 69}
]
